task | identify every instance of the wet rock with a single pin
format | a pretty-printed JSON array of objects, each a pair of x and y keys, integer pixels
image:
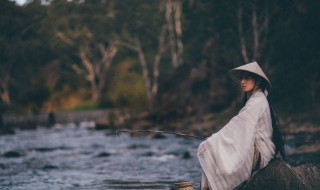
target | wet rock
[
  {"x": 280, "y": 175},
  {"x": 111, "y": 133},
  {"x": 157, "y": 136},
  {"x": 147, "y": 154},
  {"x": 103, "y": 154},
  {"x": 45, "y": 149},
  {"x": 186, "y": 155},
  {"x": 137, "y": 146},
  {"x": 49, "y": 167},
  {"x": 104, "y": 124},
  {"x": 12, "y": 154},
  {"x": 3, "y": 167}
]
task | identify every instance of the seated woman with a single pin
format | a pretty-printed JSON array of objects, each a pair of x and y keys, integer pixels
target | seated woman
[{"x": 248, "y": 142}]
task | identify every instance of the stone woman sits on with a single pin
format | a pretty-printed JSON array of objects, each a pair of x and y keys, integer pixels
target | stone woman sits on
[{"x": 248, "y": 142}]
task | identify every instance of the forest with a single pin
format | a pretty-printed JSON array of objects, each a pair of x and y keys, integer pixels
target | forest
[{"x": 170, "y": 57}]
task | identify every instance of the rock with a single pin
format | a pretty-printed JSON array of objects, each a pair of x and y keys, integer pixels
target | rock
[
  {"x": 49, "y": 167},
  {"x": 157, "y": 136},
  {"x": 3, "y": 167},
  {"x": 309, "y": 175},
  {"x": 137, "y": 146},
  {"x": 147, "y": 154},
  {"x": 110, "y": 133},
  {"x": 7, "y": 131},
  {"x": 142, "y": 125},
  {"x": 186, "y": 155},
  {"x": 103, "y": 154},
  {"x": 12, "y": 154},
  {"x": 280, "y": 175},
  {"x": 49, "y": 149},
  {"x": 104, "y": 124}
]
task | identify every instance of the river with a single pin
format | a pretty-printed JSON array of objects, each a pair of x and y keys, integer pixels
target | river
[
  {"x": 79, "y": 157},
  {"x": 75, "y": 157}
]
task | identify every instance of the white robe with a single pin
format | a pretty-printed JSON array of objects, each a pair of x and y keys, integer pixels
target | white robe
[{"x": 227, "y": 157}]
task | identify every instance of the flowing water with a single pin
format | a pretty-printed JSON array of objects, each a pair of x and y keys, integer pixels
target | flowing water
[{"x": 78, "y": 157}]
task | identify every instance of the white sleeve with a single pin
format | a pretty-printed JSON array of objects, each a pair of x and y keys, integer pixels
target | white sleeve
[{"x": 226, "y": 157}]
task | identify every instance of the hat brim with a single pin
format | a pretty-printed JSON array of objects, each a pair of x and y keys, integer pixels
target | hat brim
[{"x": 235, "y": 75}]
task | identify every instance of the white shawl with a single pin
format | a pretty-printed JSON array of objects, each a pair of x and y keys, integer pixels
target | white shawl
[{"x": 227, "y": 157}]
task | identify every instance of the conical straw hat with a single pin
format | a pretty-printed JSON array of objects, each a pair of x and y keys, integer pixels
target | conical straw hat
[{"x": 250, "y": 67}]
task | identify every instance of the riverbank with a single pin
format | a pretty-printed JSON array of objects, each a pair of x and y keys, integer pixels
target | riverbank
[{"x": 302, "y": 139}]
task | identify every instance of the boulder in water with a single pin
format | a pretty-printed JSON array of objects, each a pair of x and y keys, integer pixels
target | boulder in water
[
  {"x": 12, "y": 154},
  {"x": 103, "y": 154}
]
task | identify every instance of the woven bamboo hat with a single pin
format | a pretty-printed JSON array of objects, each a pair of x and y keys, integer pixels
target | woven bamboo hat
[{"x": 250, "y": 67}]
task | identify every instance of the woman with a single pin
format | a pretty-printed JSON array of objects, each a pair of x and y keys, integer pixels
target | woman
[{"x": 250, "y": 139}]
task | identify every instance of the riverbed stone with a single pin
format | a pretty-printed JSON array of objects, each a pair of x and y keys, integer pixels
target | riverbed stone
[
  {"x": 49, "y": 167},
  {"x": 103, "y": 154},
  {"x": 186, "y": 155},
  {"x": 12, "y": 154}
]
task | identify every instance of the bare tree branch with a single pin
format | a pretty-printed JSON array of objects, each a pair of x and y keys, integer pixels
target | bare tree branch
[
  {"x": 255, "y": 33},
  {"x": 64, "y": 38},
  {"x": 168, "y": 14},
  {"x": 107, "y": 56},
  {"x": 264, "y": 29},
  {"x": 126, "y": 44},
  {"x": 241, "y": 35},
  {"x": 178, "y": 29},
  {"x": 145, "y": 71},
  {"x": 157, "y": 59},
  {"x": 88, "y": 65}
]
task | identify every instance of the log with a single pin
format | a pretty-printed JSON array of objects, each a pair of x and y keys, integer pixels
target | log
[{"x": 279, "y": 174}]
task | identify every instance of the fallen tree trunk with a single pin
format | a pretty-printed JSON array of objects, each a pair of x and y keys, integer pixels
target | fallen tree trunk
[{"x": 280, "y": 175}]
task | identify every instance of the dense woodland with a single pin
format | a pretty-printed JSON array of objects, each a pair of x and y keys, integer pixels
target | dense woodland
[{"x": 166, "y": 56}]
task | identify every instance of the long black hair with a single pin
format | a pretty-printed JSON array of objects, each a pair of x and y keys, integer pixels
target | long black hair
[{"x": 277, "y": 137}]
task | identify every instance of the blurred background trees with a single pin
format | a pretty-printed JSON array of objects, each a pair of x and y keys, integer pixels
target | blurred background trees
[{"x": 167, "y": 56}]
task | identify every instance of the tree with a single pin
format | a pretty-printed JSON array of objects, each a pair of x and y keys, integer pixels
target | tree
[
  {"x": 148, "y": 32},
  {"x": 23, "y": 52},
  {"x": 151, "y": 87},
  {"x": 173, "y": 11},
  {"x": 253, "y": 28},
  {"x": 94, "y": 52}
]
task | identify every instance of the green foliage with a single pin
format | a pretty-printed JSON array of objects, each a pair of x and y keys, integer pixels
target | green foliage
[
  {"x": 127, "y": 88},
  {"x": 85, "y": 106},
  {"x": 40, "y": 44}
]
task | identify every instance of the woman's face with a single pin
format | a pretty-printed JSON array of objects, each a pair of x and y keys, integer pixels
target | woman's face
[{"x": 247, "y": 82}]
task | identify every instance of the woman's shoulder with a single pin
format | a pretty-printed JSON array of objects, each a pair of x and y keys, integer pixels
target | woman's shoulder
[
  {"x": 259, "y": 95},
  {"x": 255, "y": 106},
  {"x": 258, "y": 99}
]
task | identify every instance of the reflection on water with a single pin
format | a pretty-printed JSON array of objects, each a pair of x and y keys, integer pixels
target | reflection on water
[{"x": 70, "y": 157}]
